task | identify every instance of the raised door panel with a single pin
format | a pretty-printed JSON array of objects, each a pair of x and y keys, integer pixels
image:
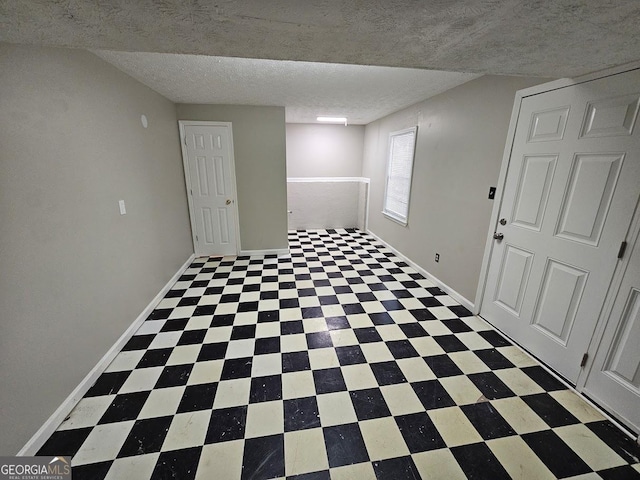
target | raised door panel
[
  {"x": 203, "y": 175},
  {"x": 559, "y": 299},
  {"x": 533, "y": 191},
  {"x": 591, "y": 186},
  {"x": 513, "y": 279},
  {"x": 220, "y": 183},
  {"x": 624, "y": 363},
  {"x": 611, "y": 117},
  {"x": 548, "y": 125},
  {"x": 198, "y": 141},
  {"x": 216, "y": 141},
  {"x": 223, "y": 222},
  {"x": 207, "y": 226}
]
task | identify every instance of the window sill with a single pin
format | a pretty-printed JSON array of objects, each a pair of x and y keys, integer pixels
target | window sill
[{"x": 392, "y": 217}]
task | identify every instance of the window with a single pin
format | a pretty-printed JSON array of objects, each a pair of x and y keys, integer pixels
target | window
[{"x": 399, "y": 168}]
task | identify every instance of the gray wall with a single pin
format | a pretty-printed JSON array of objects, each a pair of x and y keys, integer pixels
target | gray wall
[
  {"x": 260, "y": 159},
  {"x": 317, "y": 150},
  {"x": 324, "y": 150},
  {"x": 461, "y": 138},
  {"x": 74, "y": 273}
]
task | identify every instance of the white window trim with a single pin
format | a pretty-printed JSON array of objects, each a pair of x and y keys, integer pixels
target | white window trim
[{"x": 389, "y": 214}]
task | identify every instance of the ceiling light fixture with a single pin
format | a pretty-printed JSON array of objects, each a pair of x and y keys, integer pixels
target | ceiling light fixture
[{"x": 333, "y": 120}]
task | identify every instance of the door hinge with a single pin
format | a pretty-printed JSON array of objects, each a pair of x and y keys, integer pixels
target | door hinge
[
  {"x": 583, "y": 362},
  {"x": 185, "y": 141},
  {"x": 623, "y": 247},
  {"x": 191, "y": 191},
  {"x": 196, "y": 238}
]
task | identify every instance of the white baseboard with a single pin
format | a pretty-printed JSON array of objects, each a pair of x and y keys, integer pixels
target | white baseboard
[
  {"x": 54, "y": 421},
  {"x": 273, "y": 251},
  {"x": 443, "y": 286}
]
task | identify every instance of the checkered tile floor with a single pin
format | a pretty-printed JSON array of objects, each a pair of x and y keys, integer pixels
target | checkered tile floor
[{"x": 338, "y": 361}]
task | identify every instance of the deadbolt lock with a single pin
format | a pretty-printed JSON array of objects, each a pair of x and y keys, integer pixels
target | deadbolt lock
[{"x": 503, "y": 221}]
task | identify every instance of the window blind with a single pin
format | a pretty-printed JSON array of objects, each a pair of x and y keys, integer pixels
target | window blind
[{"x": 399, "y": 170}]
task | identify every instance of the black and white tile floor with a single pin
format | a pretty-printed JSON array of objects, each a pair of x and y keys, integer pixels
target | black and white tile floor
[{"x": 338, "y": 361}]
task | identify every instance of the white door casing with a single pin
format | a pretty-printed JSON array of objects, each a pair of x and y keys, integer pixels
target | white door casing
[
  {"x": 572, "y": 184},
  {"x": 207, "y": 149}
]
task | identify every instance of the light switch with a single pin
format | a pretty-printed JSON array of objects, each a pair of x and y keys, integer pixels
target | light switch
[{"x": 123, "y": 210}]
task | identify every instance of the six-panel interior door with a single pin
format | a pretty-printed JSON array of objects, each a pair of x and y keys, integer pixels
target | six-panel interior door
[
  {"x": 614, "y": 379},
  {"x": 571, "y": 189},
  {"x": 211, "y": 189}
]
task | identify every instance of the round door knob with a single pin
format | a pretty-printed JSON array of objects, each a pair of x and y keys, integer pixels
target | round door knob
[
  {"x": 228, "y": 202},
  {"x": 498, "y": 236}
]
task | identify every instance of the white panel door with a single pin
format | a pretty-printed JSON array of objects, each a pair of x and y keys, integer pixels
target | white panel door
[
  {"x": 211, "y": 189},
  {"x": 614, "y": 379},
  {"x": 571, "y": 189}
]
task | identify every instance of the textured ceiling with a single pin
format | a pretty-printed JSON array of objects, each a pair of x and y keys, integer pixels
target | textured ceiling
[
  {"x": 549, "y": 38},
  {"x": 187, "y": 45},
  {"x": 360, "y": 93}
]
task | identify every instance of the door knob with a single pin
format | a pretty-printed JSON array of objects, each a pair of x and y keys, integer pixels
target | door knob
[
  {"x": 228, "y": 202},
  {"x": 498, "y": 236}
]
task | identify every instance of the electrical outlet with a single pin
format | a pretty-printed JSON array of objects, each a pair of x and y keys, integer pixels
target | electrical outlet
[
  {"x": 437, "y": 257},
  {"x": 123, "y": 209}
]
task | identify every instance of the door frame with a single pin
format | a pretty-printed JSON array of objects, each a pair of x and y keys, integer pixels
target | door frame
[
  {"x": 506, "y": 157},
  {"x": 633, "y": 233},
  {"x": 187, "y": 177}
]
